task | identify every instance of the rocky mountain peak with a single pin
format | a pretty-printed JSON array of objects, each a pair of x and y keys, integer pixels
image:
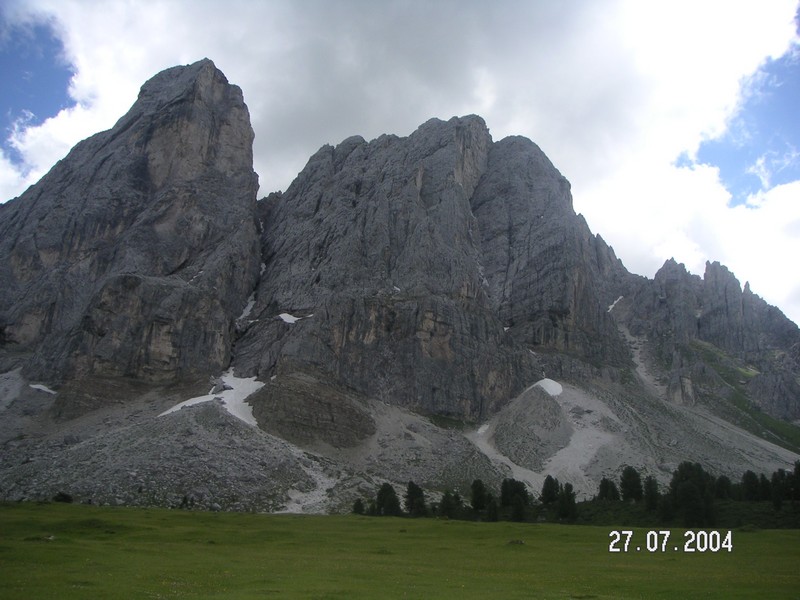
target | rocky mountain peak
[
  {"x": 395, "y": 282},
  {"x": 197, "y": 105},
  {"x": 122, "y": 260}
]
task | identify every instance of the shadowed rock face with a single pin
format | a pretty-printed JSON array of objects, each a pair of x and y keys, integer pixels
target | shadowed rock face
[
  {"x": 135, "y": 253},
  {"x": 433, "y": 266},
  {"x": 378, "y": 242},
  {"x": 436, "y": 272}
]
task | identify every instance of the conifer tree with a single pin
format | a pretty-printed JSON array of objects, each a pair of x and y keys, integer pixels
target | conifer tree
[
  {"x": 607, "y": 490},
  {"x": 691, "y": 494},
  {"x": 387, "y": 503},
  {"x": 478, "y": 495},
  {"x": 511, "y": 488},
  {"x": 448, "y": 505},
  {"x": 651, "y": 495},
  {"x": 778, "y": 488},
  {"x": 630, "y": 485},
  {"x": 492, "y": 510},
  {"x": 358, "y": 507},
  {"x": 550, "y": 490},
  {"x": 722, "y": 487},
  {"x": 517, "y": 508},
  {"x": 567, "y": 509},
  {"x": 750, "y": 487},
  {"x": 415, "y": 500}
]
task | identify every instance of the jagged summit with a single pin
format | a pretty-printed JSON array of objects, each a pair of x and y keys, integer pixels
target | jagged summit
[{"x": 395, "y": 283}]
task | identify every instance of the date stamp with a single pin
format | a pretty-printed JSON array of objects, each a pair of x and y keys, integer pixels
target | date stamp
[{"x": 662, "y": 540}]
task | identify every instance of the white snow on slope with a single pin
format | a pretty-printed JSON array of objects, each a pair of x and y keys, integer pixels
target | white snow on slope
[
  {"x": 234, "y": 399},
  {"x": 42, "y": 388},
  {"x": 613, "y": 304},
  {"x": 589, "y": 419},
  {"x": 287, "y": 318},
  {"x": 548, "y": 385}
]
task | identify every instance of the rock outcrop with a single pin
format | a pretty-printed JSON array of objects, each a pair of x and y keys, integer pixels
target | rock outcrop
[
  {"x": 426, "y": 271},
  {"x": 133, "y": 256},
  {"x": 375, "y": 246},
  {"x": 396, "y": 304},
  {"x": 694, "y": 325},
  {"x": 549, "y": 279}
]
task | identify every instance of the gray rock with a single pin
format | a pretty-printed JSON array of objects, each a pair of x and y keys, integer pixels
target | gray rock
[
  {"x": 441, "y": 274},
  {"x": 133, "y": 256},
  {"x": 549, "y": 279},
  {"x": 431, "y": 265},
  {"x": 695, "y": 326},
  {"x": 531, "y": 428},
  {"x": 303, "y": 409},
  {"x": 378, "y": 242}
]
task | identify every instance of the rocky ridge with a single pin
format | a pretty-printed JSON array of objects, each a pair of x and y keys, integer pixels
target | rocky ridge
[{"x": 398, "y": 301}]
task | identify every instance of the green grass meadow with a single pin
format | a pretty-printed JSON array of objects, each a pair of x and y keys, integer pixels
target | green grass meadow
[{"x": 67, "y": 551}]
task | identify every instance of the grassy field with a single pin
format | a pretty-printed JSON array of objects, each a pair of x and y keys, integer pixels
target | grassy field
[{"x": 66, "y": 551}]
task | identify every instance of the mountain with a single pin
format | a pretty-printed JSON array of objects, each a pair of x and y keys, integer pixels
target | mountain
[
  {"x": 131, "y": 257},
  {"x": 426, "y": 308}
]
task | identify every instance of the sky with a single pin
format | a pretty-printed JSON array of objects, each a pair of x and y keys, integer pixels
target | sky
[{"x": 676, "y": 123}]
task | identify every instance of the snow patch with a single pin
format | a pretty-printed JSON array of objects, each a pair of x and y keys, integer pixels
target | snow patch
[
  {"x": 548, "y": 385},
  {"x": 589, "y": 418},
  {"x": 613, "y": 304},
  {"x": 287, "y": 318},
  {"x": 234, "y": 399},
  {"x": 41, "y": 388},
  {"x": 251, "y": 302}
]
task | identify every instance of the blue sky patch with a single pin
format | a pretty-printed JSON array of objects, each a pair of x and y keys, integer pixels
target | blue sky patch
[
  {"x": 35, "y": 78},
  {"x": 761, "y": 148}
]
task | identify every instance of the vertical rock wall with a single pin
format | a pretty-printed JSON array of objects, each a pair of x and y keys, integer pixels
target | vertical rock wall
[{"x": 135, "y": 253}]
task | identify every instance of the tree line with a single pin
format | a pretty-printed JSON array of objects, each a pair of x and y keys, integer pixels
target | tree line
[{"x": 689, "y": 500}]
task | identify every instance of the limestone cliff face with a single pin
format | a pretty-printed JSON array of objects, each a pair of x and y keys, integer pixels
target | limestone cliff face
[
  {"x": 135, "y": 253},
  {"x": 691, "y": 321},
  {"x": 376, "y": 246},
  {"x": 549, "y": 279},
  {"x": 442, "y": 272},
  {"x": 428, "y": 270}
]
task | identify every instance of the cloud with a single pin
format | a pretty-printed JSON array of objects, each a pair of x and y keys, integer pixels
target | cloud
[
  {"x": 773, "y": 163},
  {"x": 612, "y": 91}
]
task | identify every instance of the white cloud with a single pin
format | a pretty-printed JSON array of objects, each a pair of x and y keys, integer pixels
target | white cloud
[
  {"x": 10, "y": 178},
  {"x": 612, "y": 91},
  {"x": 773, "y": 163}
]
